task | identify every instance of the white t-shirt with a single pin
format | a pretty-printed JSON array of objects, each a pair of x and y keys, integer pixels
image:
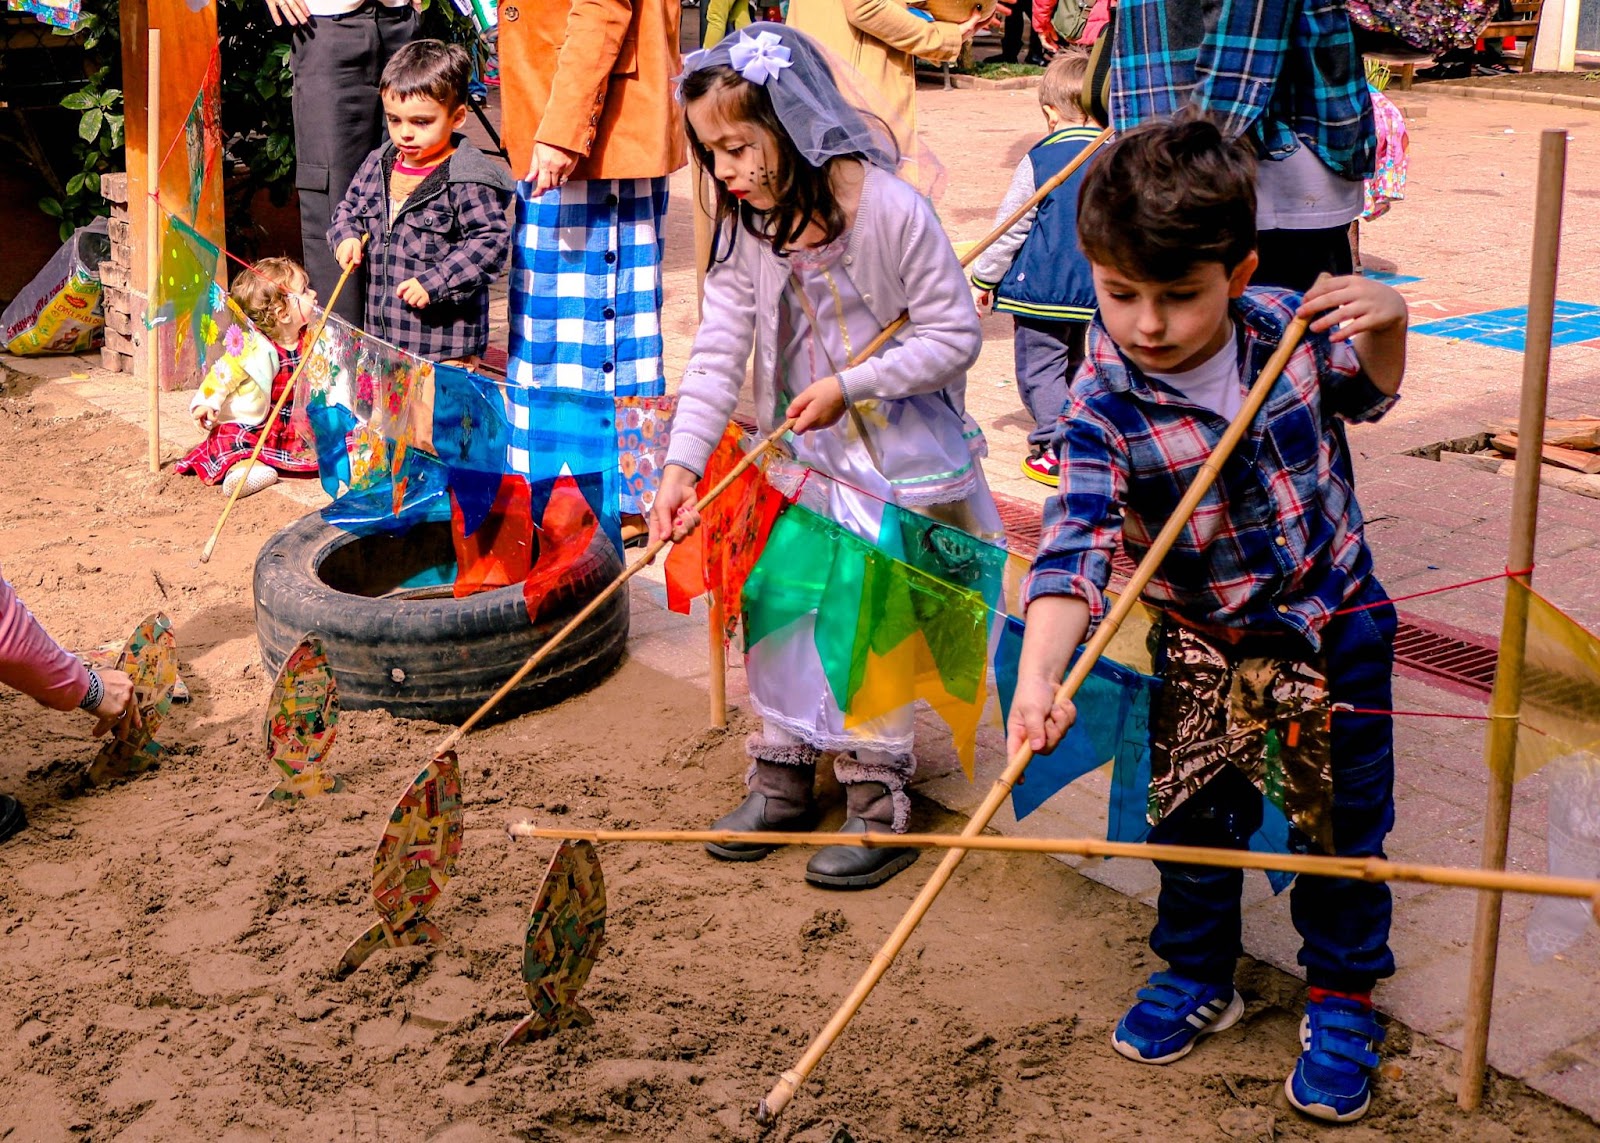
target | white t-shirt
[
  {"x": 1213, "y": 384},
  {"x": 1300, "y": 193}
]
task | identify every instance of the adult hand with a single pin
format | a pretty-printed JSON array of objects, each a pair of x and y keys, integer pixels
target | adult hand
[
  {"x": 411, "y": 293},
  {"x": 118, "y": 707},
  {"x": 672, "y": 516},
  {"x": 289, "y": 11},
  {"x": 819, "y": 405},
  {"x": 348, "y": 253},
  {"x": 552, "y": 166},
  {"x": 972, "y": 25},
  {"x": 1001, "y": 13},
  {"x": 1036, "y": 717}
]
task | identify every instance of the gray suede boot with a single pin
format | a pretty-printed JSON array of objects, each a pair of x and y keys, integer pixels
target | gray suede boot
[
  {"x": 872, "y": 807},
  {"x": 780, "y": 781}
]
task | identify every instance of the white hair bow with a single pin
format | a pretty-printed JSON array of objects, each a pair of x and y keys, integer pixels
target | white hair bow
[{"x": 759, "y": 58}]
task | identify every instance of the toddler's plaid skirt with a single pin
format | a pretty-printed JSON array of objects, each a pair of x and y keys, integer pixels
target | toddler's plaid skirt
[{"x": 585, "y": 289}]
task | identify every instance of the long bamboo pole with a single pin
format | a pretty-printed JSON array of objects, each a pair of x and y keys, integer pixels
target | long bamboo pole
[
  {"x": 283, "y": 399},
  {"x": 783, "y": 1091},
  {"x": 764, "y": 445},
  {"x": 716, "y": 626},
  {"x": 1500, "y": 744},
  {"x": 152, "y": 240},
  {"x": 1310, "y": 865}
]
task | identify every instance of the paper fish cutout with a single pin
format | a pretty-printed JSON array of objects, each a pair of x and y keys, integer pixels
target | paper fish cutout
[
  {"x": 566, "y": 931},
  {"x": 415, "y": 859},
  {"x": 302, "y": 721},
  {"x": 150, "y": 659}
]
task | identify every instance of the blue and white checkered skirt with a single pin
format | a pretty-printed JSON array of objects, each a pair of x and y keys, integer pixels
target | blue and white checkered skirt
[{"x": 585, "y": 288}]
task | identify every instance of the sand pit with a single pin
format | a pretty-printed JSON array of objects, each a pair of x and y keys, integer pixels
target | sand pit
[{"x": 165, "y": 946}]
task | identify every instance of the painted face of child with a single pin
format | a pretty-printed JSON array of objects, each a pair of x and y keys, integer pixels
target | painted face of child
[
  {"x": 420, "y": 127},
  {"x": 742, "y": 153},
  {"x": 302, "y": 301},
  {"x": 1170, "y": 327}
]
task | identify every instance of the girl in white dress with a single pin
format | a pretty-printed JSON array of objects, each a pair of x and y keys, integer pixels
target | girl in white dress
[{"x": 819, "y": 247}]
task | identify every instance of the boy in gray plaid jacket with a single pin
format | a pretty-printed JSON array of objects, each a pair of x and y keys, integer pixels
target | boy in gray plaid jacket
[{"x": 434, "y": 207}]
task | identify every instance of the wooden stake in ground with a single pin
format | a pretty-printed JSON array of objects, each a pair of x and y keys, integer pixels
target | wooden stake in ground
[
  {"x": 783, "y": 1091},
  {"x": 1306, "y": 864},
  {"x": 152, "y": 242},
  {"x": 1500, "y": 745},
  {"x": 288, "y": 392}
]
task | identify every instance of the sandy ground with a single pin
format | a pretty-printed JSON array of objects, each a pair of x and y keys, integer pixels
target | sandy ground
[{"x": 165, "y": 946}]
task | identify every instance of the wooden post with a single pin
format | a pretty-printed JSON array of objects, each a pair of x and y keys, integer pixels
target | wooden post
[
  {"x": 152, "y": 242},
  {"x": 719, "y": 661},
  {"x": 1500, "y": 745}
]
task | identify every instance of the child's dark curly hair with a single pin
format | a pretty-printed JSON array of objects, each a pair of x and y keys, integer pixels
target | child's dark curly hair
[
  {"x": 1168, "y": 195},
  {"x": 263, "y": 290}
]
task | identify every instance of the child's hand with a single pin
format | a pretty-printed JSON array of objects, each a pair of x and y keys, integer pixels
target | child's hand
[
  {"x": 982, "y": 301},
  {"x": 1036, "y": 717},
  {"x": 672, "y": 516},
  {"x": 1356, "y": 304},
  {"x": 819, "y": 405},
  {"x": 348, "y": 253},
  {"x": 411, "y": 293},
  {"x": 202, "y": 417}
]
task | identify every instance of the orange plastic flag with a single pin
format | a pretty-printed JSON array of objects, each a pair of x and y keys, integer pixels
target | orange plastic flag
[
  {"x": 568, "y": 530},
  {"x": 500, "y": 552}
]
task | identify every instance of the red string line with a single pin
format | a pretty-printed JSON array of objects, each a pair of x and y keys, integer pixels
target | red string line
[{"x": 1507, "y": 574}]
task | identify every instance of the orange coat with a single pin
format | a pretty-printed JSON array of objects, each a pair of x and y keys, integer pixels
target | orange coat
[{"x": 593, "y": 77}]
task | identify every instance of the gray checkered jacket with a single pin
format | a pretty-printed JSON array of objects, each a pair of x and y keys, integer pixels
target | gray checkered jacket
[{"x": 452, "y": 235}]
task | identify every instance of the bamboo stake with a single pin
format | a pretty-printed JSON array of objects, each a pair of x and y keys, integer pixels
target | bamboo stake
[
  {"x": 783, "y": 1091},
  {"x": 1500, "y": 743},
  {"x": 1310, "y": 865},
  {"x": 283, "y": 398},
  {"x": 771, "y": 441},
  {"x": 152, "y": 240},
  {"x": 716, "y": 622}
]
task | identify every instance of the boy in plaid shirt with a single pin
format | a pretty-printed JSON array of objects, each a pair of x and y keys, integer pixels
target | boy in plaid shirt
[
  {"x": 435, "y": 208},
  {"x": 1271, "y": 617}
]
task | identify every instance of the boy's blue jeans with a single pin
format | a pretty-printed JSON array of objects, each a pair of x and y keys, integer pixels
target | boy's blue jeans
[{"x": 1343, "y": 924}]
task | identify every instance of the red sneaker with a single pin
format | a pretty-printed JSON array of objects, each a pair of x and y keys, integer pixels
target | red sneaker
[{"x": 1041, "y": 465}]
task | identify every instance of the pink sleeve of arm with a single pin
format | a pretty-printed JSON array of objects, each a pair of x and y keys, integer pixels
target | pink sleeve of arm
[{"x": 34, "y": 663}]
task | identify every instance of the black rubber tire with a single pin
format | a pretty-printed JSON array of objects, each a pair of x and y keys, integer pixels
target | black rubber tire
[{"x": 438, "y": 659}]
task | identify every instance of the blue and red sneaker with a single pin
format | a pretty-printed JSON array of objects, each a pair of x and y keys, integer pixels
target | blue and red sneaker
[
  {"x": 1339, "y": 1038},
  {"x": 1171, "y": 1014}
]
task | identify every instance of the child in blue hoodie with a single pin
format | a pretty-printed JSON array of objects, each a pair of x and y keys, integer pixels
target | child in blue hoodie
[{"x": 1037, "y": 272}]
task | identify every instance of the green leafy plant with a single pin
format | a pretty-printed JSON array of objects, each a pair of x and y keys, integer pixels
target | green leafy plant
[{"x": 98, "y": 147}]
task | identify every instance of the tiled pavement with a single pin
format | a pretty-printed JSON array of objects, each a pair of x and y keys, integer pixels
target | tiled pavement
[{"x": 1459, "y": 245}]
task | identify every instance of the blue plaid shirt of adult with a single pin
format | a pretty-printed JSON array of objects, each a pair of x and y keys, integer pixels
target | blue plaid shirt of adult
[
  {"x": 594, "y": 132},
  {"x": 1277, "y": 542},
  {"x": 1286, "y": 71}
]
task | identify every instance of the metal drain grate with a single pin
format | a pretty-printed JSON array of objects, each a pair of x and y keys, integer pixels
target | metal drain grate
[{"x": 1459, "y": 660}]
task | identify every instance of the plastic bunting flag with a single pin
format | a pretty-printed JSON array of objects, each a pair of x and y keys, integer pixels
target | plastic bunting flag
[
  {"x": 1113, "y": 726},
  {"x": 1560, "y": 730},
  {"x": 887, "y": 633},
  {"x": 643, "y": 428},
  {"x": 186, "y": 287},
  {"x": 567, "y": 530},
  {"x": 567, "y": 432},
  {"x": 733, "y": 530},
  {"x": 499, "y": 551},
  {"x": 1560, "y": 687},
  {"x": 202, "y": 131}
]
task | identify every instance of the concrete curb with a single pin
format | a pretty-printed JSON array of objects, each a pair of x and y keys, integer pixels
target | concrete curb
[
  {"x": 1509, "y": 95},
  {"x": 978, "y": 83}
]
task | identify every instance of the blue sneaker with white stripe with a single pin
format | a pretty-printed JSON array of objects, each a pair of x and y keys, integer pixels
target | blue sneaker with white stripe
[
  {"x": 1332, "y": 1079},
  {"x": 1172, "y": 1013}
]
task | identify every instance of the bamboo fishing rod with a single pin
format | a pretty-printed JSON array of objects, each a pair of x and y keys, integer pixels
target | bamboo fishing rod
[
  {"x": 288, "y": 391},
  {"x": 783, "y": 1091},
  {"x": 766, "y": 444},
  {"x": 1310, "y": 865}
]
